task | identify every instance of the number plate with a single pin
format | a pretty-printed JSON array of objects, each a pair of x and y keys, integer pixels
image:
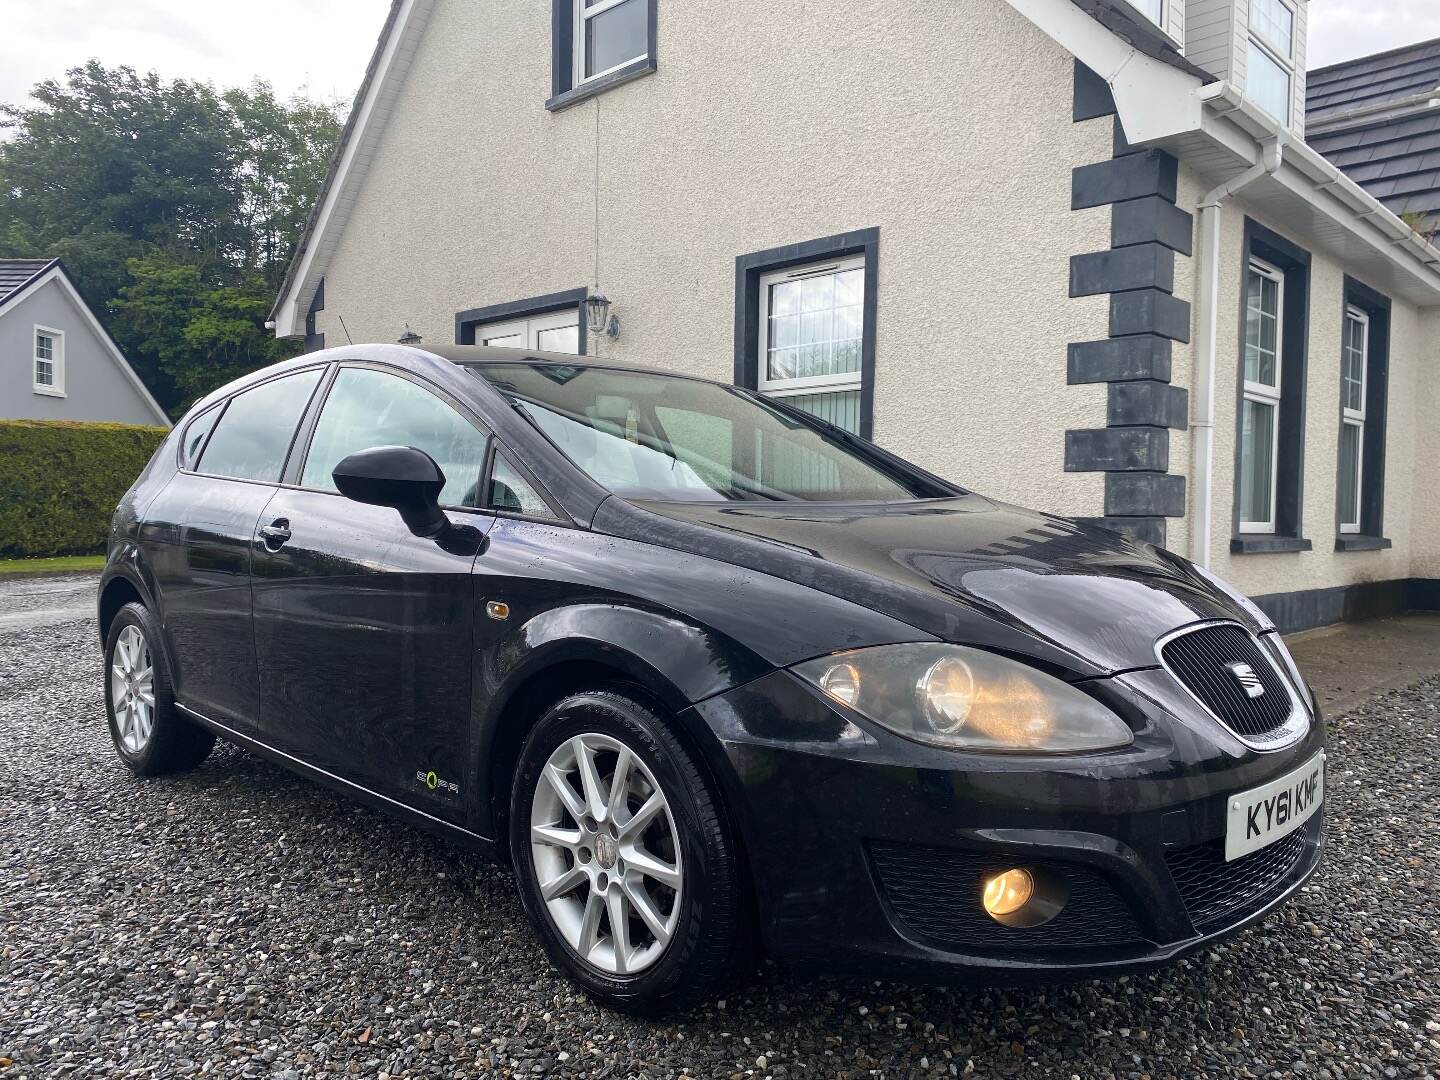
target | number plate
[{"x": 1264, "y": 814}]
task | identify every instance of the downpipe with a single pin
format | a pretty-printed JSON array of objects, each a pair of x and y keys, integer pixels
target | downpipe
[{"x": 1202, "y": 422}]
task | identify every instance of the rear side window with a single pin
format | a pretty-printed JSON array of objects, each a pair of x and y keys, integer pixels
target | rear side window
[
  {"x": 195, "y": 436},
  {"x": 368, "y": 408},
  {"x": 253, "y": 436}
]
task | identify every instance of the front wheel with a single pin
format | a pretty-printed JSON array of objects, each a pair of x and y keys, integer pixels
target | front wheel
[
  {"x": 626, "y": 866},
  {"x": 150, "y": 735}
]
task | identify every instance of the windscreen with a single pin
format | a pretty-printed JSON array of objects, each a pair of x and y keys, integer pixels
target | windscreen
[{"x": 663, "y": 437}]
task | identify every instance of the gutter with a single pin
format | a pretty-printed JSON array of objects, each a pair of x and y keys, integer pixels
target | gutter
[{"x": 1207, "y": 272}]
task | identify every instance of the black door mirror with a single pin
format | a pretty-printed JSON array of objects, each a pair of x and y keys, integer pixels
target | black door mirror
[{"x": 400, "y": 477}]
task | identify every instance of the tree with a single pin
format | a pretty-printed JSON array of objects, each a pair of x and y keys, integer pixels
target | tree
[{"x": 157, "y": 193}]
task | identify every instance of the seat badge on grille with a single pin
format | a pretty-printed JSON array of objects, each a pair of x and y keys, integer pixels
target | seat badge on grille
[{"x": 1248, "y": 680}]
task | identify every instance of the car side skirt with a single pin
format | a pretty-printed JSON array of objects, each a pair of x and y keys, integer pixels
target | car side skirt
[{"x": 408, "y": 814}]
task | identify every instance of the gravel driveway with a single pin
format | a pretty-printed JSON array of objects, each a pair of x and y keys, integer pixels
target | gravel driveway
[{"x": 240, "y": 921}]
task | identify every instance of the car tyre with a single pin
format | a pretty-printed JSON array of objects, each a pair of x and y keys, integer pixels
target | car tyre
[
  {"x": 149, "y": 732},
  {"x": 705, "y": 916}
]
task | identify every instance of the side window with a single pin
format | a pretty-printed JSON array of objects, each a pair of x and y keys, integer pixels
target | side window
[
  {"x": 253, "y": 437},
  {"x": 510, "y": 492},
  {"x": 195, "y": 436},
  {"x": 368, "y": 408}
]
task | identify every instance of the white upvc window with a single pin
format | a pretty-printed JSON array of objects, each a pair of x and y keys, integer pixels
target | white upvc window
[
  {"x": 1154, "y": 10},
  {"x": 812, "y": 324},
  {"x": 1260, "y": 403},
  {"x": 1354, "y": 360},
  {"x": 609, "y": 35},
  {"x": 557, "y": 331},
  {"x": 48, "y": 367},
  {"x": 1270, "y": 61}
]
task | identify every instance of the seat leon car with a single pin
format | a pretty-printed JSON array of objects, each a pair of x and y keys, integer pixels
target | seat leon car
[{"x": 717, "y": 677}]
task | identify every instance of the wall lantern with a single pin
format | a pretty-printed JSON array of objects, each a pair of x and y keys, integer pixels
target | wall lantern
[
  {"x": 409, "y": 337},
  {"x": 598, "y": 317}
]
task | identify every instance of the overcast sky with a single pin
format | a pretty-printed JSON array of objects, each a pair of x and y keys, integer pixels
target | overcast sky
[{"x": 321, "y": 46}]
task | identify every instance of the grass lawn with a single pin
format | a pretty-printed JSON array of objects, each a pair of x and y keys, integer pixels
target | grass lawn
[{"x": 59, "y": 564}]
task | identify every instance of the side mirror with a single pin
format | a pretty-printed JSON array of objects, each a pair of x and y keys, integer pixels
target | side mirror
[{"x": 401, "y": 477}]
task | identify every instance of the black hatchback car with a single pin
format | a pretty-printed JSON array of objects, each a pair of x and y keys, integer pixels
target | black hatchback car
[{"x": 710, "y": 672}]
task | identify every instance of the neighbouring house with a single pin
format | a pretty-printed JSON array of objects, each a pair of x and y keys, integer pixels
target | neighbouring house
[
  {"x": 1072, "y": 253},
  {"x": 58, "y": 361}
]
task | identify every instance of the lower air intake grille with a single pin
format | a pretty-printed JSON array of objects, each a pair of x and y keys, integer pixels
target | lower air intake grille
[
  {"x": 936, "y": 893},
  {"x": 1216, "y": 892},
  {"x": 1204, "y": 660}
]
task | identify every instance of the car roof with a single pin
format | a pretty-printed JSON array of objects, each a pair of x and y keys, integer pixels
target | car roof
[{"x": 472, "y": 355}]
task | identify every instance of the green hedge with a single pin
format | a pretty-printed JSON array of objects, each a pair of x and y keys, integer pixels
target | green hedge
[{"x": 60, "y": 481}]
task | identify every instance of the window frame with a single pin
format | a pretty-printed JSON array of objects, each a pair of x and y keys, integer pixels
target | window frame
[
  {"x": 1293, "y": 331},
  {"x": 1138, "y": 5},
  {"x": 1272, "y": 50},
  {"x": 531, "y": 326},
  {"x": 568, "y": 83},
  {"x": 1354, "y": 417},
  {"x": 583, "y": 14},
  {"x": 1370, "y": 502},
  {"x": 56, "y": 386},
  {"x": 469, "y": 321},
  {"x": 751, "y": 298},
  {"x": 844, "y": 382},
  {"x": 1261, "y": 393}
]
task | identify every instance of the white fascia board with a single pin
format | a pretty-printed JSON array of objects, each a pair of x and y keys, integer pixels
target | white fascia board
[
  {"x": 1311, "y": 179},
  {"x": 1154, "y": 99},
  {"x": 1157, "y": 102},
  {"x": 57, "y": 275},
  {"x": 374, "y": 113}
]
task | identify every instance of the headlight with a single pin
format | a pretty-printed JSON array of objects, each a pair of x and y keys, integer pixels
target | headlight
[{"x": 965, "y": 699}]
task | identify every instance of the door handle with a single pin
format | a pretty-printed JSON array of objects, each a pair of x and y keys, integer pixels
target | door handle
[{"x": 276, "y": 533}]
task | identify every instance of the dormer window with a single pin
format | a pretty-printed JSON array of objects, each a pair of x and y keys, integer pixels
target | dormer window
[
  {"x": 1270, "y": 63},
  {"x": 598, "y": 44},
  {"x": 1154, "y": 10}
]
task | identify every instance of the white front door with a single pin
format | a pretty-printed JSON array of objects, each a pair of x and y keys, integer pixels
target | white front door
[{"x": 559, "y": 331}]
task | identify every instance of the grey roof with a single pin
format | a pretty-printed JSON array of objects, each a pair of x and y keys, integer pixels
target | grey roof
[
  {"x": 1378, "y": 120},
  {"x": 1123, "y": 21},
  {"x": 15, "y": 274}
]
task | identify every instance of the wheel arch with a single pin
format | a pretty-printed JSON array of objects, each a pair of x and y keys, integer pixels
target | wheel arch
[{"x": 552, "y": 673}]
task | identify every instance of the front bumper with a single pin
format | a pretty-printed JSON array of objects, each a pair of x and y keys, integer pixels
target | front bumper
[{"x": 868, "y": 851}]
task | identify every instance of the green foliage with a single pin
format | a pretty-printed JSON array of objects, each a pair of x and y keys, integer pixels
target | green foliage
[
  {"x": 201, "y": 335},
  {"x": 62, "y": 481},
  {"x": 149, "y": 190}
]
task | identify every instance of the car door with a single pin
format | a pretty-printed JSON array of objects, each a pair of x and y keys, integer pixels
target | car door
[
  {"x": 199, "y": 533},
  {"x": 363, "y": 630}
]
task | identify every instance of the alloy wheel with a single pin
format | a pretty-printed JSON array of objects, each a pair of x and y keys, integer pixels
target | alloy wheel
[
  {"x": 606, "y": 854},
  {"x": 132, "y": 689}
]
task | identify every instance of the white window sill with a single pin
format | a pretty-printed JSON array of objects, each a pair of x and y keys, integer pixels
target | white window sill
[{"x": 48, "y": 391}]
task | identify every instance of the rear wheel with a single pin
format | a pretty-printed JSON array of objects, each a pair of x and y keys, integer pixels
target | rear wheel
[
  {"x": 626, "y": 866},
  {"x": 149, "y": 733}
]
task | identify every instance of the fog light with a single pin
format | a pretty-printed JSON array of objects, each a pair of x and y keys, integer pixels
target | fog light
[
  {"x": 1007, "y": 893},
  {"x": 1023, "y": 898}
]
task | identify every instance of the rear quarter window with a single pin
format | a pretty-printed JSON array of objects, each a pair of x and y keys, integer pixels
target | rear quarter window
[{"x": 193, "y": 441}]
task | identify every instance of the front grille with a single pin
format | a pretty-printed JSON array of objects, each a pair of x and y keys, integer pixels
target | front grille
[
  {"x": 1201, "y": 660},
  {"x": 1216, "y": 892},
  {"x": 936, "y": 892}
]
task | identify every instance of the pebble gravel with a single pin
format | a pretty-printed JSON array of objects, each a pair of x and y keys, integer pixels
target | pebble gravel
[{"x": 239, "y": 921}]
